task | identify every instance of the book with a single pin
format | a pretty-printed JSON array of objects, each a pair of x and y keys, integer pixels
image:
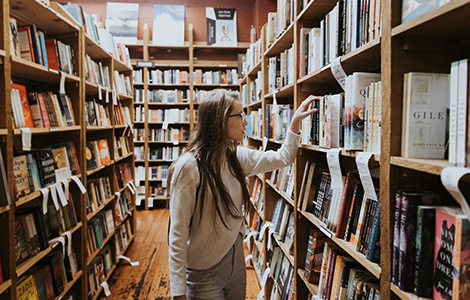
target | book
[
  {"x": 4, "y": 190},
  {"x": 14, "y": 39},
  {"x": 425, "y": 101},
  {"x": 21, "y": 173},
  {"x": 221, "y": 26},
  {"x": 34, "y": 177},
  {"x": 412, "y": 9},
  {"x": 35, "y": 110},
  {"x": 396, "y": 237},
  {"x": 105, "y": 159},
  {"x": 61, "y": 160},
  {"x": 91, "y": 159},
  {"x": 352, "y": 180},
  {"x": 451, "y": 252},
  {"x": 313, "y": 258},
  {"x": 26, "y": 289},
  {"x": 46, "y": 166},
  {"x": 171, "y": 17},
  {"x": 28, "y": 118},
  {"x": 21, "y": 244},
  {"x": 25, "y": 43},
  {"x": 51, "y": 53}
]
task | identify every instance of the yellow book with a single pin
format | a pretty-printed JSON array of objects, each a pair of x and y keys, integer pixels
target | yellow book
[{"x": 27, "y": 290}]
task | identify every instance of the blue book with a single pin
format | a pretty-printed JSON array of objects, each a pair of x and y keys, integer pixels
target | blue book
[
  {"x": 42, "y": 46},
  {"x": 373, "y": 252}
]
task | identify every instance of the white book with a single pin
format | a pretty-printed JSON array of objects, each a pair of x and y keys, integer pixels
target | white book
[
  {"x": 453, "y": 105},
  {"x": 462, "y": 103}
]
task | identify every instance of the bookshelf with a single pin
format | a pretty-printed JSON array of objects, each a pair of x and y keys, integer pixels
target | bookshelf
[
  {"x": 155, "y": 139},
  {"x": 56, "y": 23},
  {"x": 428, "y": 43}
]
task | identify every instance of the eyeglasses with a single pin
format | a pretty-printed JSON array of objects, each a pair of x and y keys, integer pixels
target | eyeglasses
[{"x": 240, "y": 115}]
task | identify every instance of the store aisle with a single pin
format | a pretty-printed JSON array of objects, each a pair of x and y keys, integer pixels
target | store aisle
[{"x": 150, "y": 279}]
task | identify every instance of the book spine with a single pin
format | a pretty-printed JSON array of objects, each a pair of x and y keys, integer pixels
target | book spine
[
  {"x": 407, "y": 251},
  {"x": 396, "y": 237}
]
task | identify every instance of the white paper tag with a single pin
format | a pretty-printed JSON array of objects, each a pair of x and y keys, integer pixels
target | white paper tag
[
  {"x": 118, "y": 195},
  {"x": 45, "y": 197},
  {"x": 57, "y": 240},
  {"x": 247, "y": 238},
  {"x": 338, "y": 72},
  {"x": 265, "y": 226},
  {"x": 130, "y": 188},
  {"x": 114, "y": 98},
  {"x": 106, "y": 290},
  {"x": 68, "y": 235},
  {"x": 450, "y": 178},
  {"x": 100, "y": 96},
  {"x": 164, "y": 183},
  {"x": 133, "y": 186},
  {"x": 138, "y": 201},
  {"x": 326, "y": 232},
  {"x": 165, "y": 125},
  {"x": 79, "y": 183},
  {"x": 275, "y": 109},
  {"x": 54, "y": 197},
  {"x": 26, "y": 138},
  {"x": 62, "y": 83},
  {"x": 265, "y": 143},
  {"x": 66, "y": 189},
  {"x": 332, "y": 157},
  {"x": 261, "y": 294},
  {"x": 362, "y": 162},
  {"x": 150, "y": 202},
  {"x": 248, "y": 258},
  {"x": 176, "y": 142},
  {"x": 265, "y": 276},
  {"x": 270, "y": 239},
  {"x": 61, "y": 194},
  {"x": 128, "y": 259},
  {"x": 106, "y": 96}
]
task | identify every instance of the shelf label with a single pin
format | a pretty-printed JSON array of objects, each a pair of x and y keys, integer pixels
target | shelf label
[
  {"x": 450, "y": 177},
  {"x": 332, "y": 157},
  {"x": 338, "y": 72},
  {"x": 26, "y": 138},
  {"x": 62, "y": 83},
  {"x": 100, "y": 96},
  {"x": 66, "y": 188},
  {"x": 53, "y": 129},
  {"x": 150, "y": 202},
  {"x": 247, "y": 238},
  {"x": 54, "y": 197},
  {"x": 106, "y": 290},
  {"x": 265, "y": 143},
  {"x": 45, "y": 197},
  {"x": 275, "y": 106},
  {"x": 248, "y": 258},
  {"x": 59, "y": 240},
  {"x": 326, "y": 232},
  {"x": 79, "y": 184},
  {"x": 362, "y": 162},
  {"x": 128, "y": 259},
  {"x": 138, "y": 201},
  {"x": 61, "y": 194},
  {"x": 106, "y": 97},
  {"x": 68, "y": 235},
  {"x": 144, "y": 64}
]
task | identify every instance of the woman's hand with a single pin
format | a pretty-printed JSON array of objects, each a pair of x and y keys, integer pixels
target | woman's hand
[{"x": 305, "y": 109}]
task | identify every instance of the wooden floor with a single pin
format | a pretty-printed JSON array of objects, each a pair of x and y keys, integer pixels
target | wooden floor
[{"x": 150, "y": 279}]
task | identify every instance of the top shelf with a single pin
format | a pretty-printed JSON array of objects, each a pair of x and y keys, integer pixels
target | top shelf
[
  {"x": 48, "y": 19},
  {"x": 316, "y": 10},
  {"x": 447, "y": 21}
]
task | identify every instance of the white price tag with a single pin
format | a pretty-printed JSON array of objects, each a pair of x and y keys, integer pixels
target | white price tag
[
  {"x": 59, "y": 240},
  {"x": 79, "y": 184},
  {"x": 66, "y": 189},
  {"x": 265, "y": 143},
  {"x": 45, "y": 197},
  {"x": 54, "y": 197},
  {"x": 68, "y": 235},
  {"x": 128, "y": 259},
  {"x": 248, "y": 258},
  {"x": 106, "y": 290},
  {"x": 61, "y": 194},
  {"x": 62, "y": 83},
  {"x": 106, "y": 96},
  {"x": 164, "y": 183},
  {"x": 247, "y": 238},
  {"x": 332, "y": 157},
  {"x": 450, "y": 178},
  {"x": 26, "y": 138},
  {"x": 118, "y": 195},
  {"x": 138, "y": 201},
  {"x": 275, "y": 106},
  {"x": 150, "y": 202},
  {"x": 265, "y": 226},
  {"x": 165, "y": 125},
  {"x": 362, "y": 162},
  {"x": 339, "y": 73}
]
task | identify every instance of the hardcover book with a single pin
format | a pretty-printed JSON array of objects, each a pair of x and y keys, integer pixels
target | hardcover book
[
  {"x": 26, "y": 289},
  {"x": 451, "y": 252},
  {"x": 168, "y": 25},
  {"x": 425, "y": 99},
  {"x": 221, "y": 26},
  {"x": 46, "y": 166},
  {"x": 28, "y": 118},
  {"x": 21, "y": 245},
  {"x": 90, "y": 156},
  {"x": 21, "y": 173}
]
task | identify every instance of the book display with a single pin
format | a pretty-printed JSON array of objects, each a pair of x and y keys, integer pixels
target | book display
[
  {"x": 169, "y": 83},
  {"x": 64, "y": 131},
  {"x": 370, "y": 214}
]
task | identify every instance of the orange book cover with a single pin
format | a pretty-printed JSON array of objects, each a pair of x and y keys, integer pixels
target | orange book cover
[
  {"x": 51, "y": 52},
  {"x": 104, "y": 152},
  {"x": 28, "y": 118},
  {"x": 153, "y": 115}
]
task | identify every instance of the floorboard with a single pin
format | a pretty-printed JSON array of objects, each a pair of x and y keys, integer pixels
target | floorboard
[{"x": 150, "y": 279}]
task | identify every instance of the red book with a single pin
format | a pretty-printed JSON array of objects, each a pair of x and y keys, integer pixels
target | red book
[
  {"x": 351, "y": 181},
  {"x": 26, "y": 44},
  {"x": 28, "y": 118},
  {"x": 51, "y": 51},
  {"x": 43, "y": 110}
]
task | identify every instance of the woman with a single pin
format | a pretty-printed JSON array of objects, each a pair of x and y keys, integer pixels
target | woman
[{"x": 206, "y": 232}]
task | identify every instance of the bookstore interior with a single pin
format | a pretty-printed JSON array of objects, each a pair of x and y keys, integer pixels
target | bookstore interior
[{"x": 99, "y": 98}]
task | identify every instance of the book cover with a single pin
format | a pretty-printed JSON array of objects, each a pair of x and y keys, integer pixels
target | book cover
[
  {"x": 171, "y": 19},
  {"x": 424, "y": 115},
  {"x": 21, "y": 173},
  {"x": 21, "y": 245},
  {"x": 25, "y": 43},
  {"x": 425, "y": 233},
  {"x": 46, "y": 166},
  {"x": 122, "y": 21},
  {"x": 414, "y": 8},
  {"x": 451, "y": 253},
  {"x": 409, "y": 205},
  {"x": 90, "y": 156},
  {"x": 352, "y": 179},
  {"x": 35, "y": 178},
  {"x": 28, "y": 118},
  {"x": 221, "y": 26},
  {"x": 42, "y": 46},
  {"x": 51, "y": 53},
  {"x": 396, "y": 237},
  {"x": 14, "y": 40},
  {"x": 26, "y": 289},
  {"x": 61, "y": 160},
  {"x": 35, "y": 110}
]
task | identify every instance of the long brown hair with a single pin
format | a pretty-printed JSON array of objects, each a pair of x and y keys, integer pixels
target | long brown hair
[{"x": 211, "y": 147}]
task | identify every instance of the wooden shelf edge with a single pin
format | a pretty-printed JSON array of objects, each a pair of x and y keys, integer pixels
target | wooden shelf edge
[
  {"x": 103, "y": 243},
  {"x": 406, "y": 296},
  {"x": 49, "y": 130},
  {"x": 88, "y": 173},
  {"x": 3, "y": 131},
  {"x": 431, "y": 166},
  {"x": 126, "y": 248},
  {"x": 70, "y": 285},
  {"x": 311, "y": 287},
  {"x": 4, "y": 209},
  {"x": 99, "y": 209},
  {"x": 4, "y": 286}
]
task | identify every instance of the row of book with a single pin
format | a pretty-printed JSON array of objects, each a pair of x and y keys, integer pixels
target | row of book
[
  {"x": 169, "y": 135},
  {"x": 230, "y": 76},
  {"x": 281, "y": 70},
  {"x": 283, "y": 180},
  {"x": 122, "y": 83},
  {"x": 139, "y": 153},
  {"x": 97, "y": 154},
  {"x": 170, "y": 76},
  {"x": 257, "y": 195},
  {"x": 96, "y": 113},
  {"x": 34, "y": 230},
  {"x": 161, "y": 96},
  {"x": 165, "y": 153},
  {"x": 98, "y": 192},
  {"x": 252, "y": 93},
  {"x": 100, "y": 36},
  {"x": 283, "y": 223},
  {"x": 48, "y": 278},
  {"x": 98, "y": 230},
  {"x": 30, "y": 44},
  {"x": 123, "y": 206},
  {"x": 158, "y": 190},
  {"x": 247, "y": 61},
  {"x": 173, "y": 115},
  {"x": 255, "y": 120},
  {"x": 122, "y": 115},
  {"x": 121, "y": 147},
  {"x": 124, "y": 174},
  {"x": 279, "y": 21},
  {"x": 341, "y": 277},
  {"x": 98, "y": 270},
  {"x": 40, "y": 109},
  {"x": 96, "y": 72},
  {"x": 124, "y": 236},
  {"x": 283, "y": 275},
  {"x": 159, "y": 172},
  {"x": 348, "y": 214},
  {"x": 44, "y": 167},
  {"x": 277, "y": 120},
  {"x": 139, "y": 135}
]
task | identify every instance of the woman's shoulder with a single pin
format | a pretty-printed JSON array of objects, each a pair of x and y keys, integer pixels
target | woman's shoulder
[{"x": 185, "y": 165}]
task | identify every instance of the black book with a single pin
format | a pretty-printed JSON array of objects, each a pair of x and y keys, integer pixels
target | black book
[
  {"x": 90, "y": 156},
  {"x": 47, "y": 166},
  {"x": 4, "y": 192}
]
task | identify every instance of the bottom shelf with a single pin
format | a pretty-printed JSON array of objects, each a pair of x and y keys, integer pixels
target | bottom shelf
[
  {"x": 311, "y": 287},
  {"x": 4, "y": 286}
]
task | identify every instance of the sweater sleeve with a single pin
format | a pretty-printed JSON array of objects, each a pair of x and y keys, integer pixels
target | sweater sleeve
[
  {"x": 255, "y": 161},
  {"x": 183, "y": 189}
]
